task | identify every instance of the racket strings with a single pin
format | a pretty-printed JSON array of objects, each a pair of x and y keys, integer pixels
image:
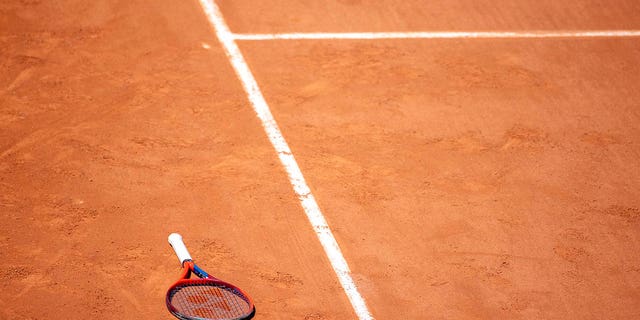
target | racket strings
[{"x": 209, "y": 301}]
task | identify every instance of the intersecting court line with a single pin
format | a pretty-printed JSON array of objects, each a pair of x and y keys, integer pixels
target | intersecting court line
[
  {"x": 437, "y": 35},
  {"x": 308, "y": 202},
  {"x": 260, "y": 106}
]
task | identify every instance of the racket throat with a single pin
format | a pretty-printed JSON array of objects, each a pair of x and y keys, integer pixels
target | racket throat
[
  {"x": 190, "y": 267},
  {"x": 199, "y": 272}
]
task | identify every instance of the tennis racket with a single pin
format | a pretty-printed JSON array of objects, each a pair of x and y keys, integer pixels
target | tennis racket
[{"x": 206, "y": 297}]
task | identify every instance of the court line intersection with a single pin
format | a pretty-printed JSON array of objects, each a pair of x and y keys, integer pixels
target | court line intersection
[
  {"x": 307, "y": 200},
  {"x": 302, "y": 190}
]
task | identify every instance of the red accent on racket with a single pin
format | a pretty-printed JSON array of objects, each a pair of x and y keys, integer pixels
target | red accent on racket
[{"x": 204, "y": 298}]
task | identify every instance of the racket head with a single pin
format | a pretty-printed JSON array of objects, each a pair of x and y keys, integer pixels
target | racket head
[{"x": 208, "y": 299}]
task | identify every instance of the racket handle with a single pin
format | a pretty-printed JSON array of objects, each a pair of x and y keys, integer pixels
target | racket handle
[{"x": 175, "y": 240}]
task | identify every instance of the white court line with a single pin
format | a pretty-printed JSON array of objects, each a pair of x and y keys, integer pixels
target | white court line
[
  {"x": 437, "y": 35},
  {"x": 298, "y": 182}
]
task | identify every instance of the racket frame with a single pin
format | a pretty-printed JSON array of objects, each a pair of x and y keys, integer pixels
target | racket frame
[{"x": 188, "y": 268}]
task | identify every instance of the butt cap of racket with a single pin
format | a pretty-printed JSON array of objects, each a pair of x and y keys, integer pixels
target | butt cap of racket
[{"x": 175, "y": 240}]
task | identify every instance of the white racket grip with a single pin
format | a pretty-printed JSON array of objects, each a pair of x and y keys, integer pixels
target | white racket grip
[{"x": 175, "y": 240}]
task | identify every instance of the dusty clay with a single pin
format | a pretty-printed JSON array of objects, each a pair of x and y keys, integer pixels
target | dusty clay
[{"x": 463, "y": 179}]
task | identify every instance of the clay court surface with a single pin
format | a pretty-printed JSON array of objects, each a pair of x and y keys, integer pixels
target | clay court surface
[{"x": 462, "y": 178}]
